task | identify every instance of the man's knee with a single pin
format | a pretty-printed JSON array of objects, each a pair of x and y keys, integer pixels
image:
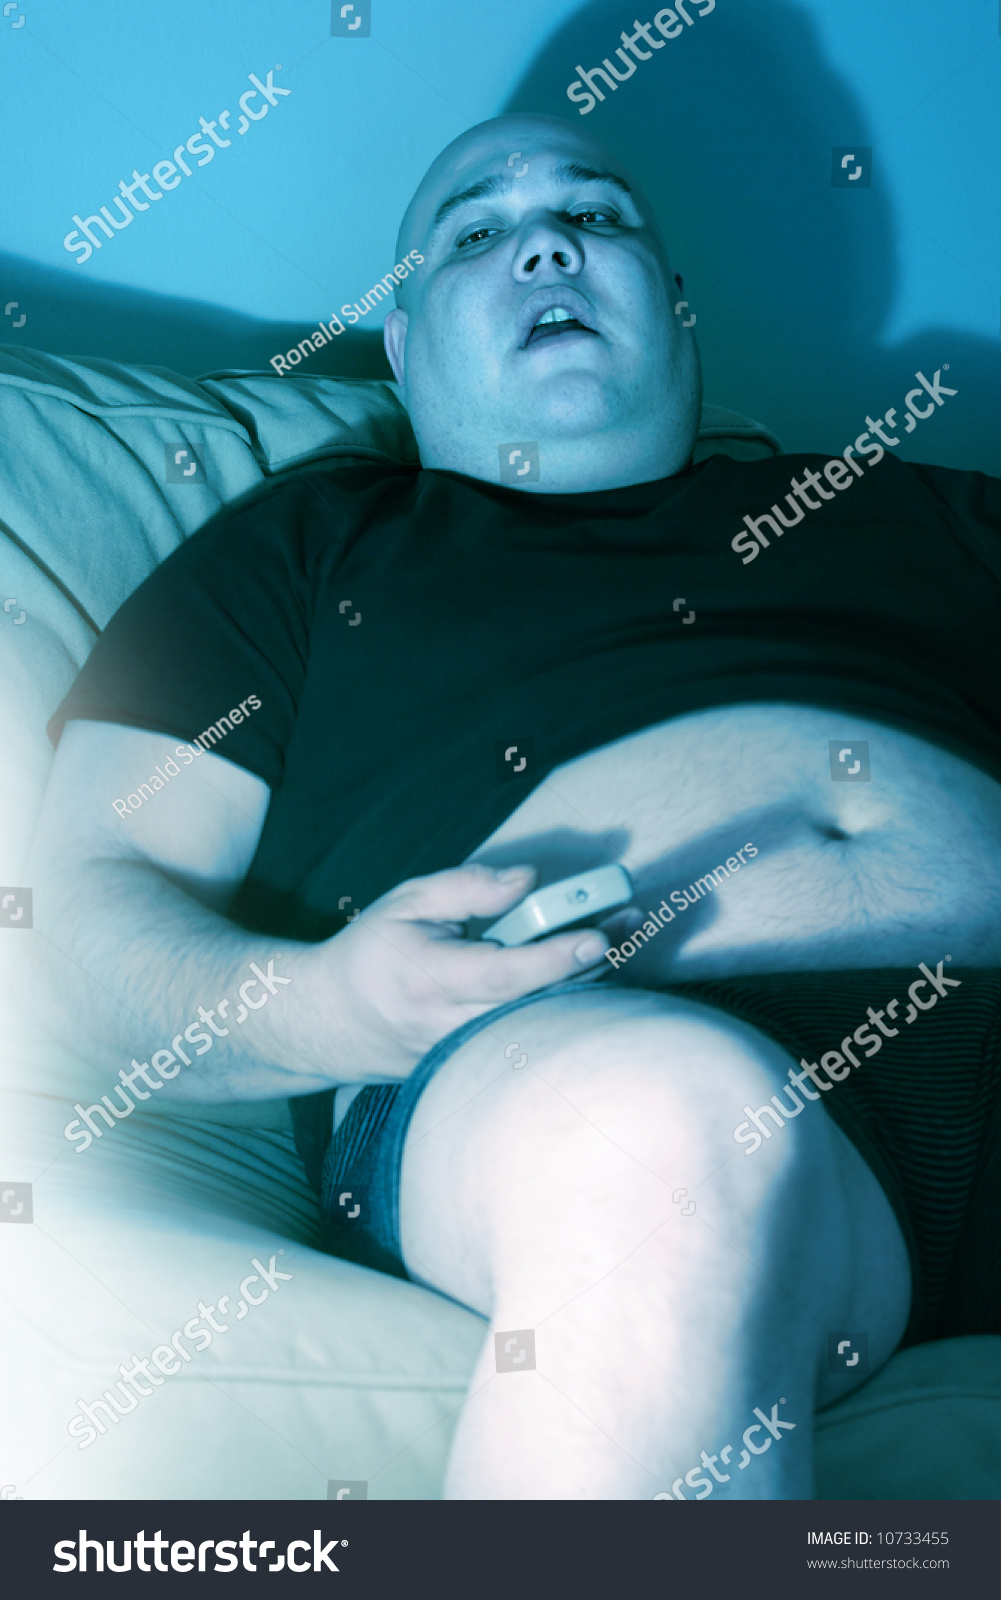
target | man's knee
[
  {"x": 654, "y": 1071},
  {"x": 588, "y": 1088},
  {"x": 607, "y": 1132}
]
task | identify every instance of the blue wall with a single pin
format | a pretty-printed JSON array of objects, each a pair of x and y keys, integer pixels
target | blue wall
[{"x": 815, "y": 304}]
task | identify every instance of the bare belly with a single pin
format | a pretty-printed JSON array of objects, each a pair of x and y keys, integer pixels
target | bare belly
[{"x": 900, "y": 868}]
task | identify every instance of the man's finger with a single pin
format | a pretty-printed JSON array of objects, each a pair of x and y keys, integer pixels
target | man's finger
[
  {"x": 483, "y": 972},
  {"x": 459, "y": 893}
]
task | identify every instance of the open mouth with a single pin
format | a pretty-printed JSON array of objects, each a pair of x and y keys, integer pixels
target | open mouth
[{"x": 554, "y": 322}]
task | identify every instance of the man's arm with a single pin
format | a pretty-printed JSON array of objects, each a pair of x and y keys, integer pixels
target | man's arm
[
  {"x": 133, "y": 945},
  {"x": 131, "y": 936}
]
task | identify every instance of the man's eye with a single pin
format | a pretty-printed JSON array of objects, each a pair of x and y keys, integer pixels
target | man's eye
[
  {"x": 601, "y": 218},
  {"x": 476, "y": 237}
]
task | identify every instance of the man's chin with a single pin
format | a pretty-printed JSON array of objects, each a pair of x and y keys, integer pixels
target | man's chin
[{"x": 566, "y": 405}]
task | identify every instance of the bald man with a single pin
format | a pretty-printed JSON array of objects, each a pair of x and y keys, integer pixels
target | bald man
[{"x": 691, "y": 1209}]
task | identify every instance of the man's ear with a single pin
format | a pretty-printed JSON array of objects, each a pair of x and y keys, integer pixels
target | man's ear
[{"x": 394, "y": 336}]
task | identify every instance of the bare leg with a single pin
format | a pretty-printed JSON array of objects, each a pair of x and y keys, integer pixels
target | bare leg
[{"x": 547, "y": 1198}]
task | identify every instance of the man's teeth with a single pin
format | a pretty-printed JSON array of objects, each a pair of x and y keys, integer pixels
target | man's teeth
[{"x": 557, "y": 314}]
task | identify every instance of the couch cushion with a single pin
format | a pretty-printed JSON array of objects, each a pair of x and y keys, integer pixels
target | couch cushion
[
  {"x": 336, "y": 1372},
  {"x": 926, "y": 1427}
]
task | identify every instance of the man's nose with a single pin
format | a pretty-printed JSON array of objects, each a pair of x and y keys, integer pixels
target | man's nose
[{"x": 546, "y": 245}]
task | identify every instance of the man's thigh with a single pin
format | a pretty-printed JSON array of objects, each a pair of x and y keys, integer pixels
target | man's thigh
[{"x": 559, "y": 1138}]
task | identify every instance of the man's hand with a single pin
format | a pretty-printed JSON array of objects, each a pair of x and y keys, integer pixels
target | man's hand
[{"x": 402, "y": 976}]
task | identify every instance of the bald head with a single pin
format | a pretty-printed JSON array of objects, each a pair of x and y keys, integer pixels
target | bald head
[
  {"x": 520, "y": 219},
  {"x": 459, "y": 166}
]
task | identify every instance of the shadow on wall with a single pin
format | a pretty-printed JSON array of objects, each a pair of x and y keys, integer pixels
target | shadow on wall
[
  {"x": 68, "y": 317},
  {"x": 730, "y": 129}
]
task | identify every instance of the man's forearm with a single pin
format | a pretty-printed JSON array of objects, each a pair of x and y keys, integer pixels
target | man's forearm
[{"x": 169, "y": 995}]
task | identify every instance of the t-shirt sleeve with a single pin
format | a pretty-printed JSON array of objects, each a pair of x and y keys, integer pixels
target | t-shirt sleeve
[
  {"x": 972, "y": 503},
  {"x": 219, "y": 631}
]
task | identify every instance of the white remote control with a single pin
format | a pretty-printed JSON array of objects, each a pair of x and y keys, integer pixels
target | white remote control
[{"x": 576, "y": 899}]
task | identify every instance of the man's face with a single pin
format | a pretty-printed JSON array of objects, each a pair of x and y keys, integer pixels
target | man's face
[{"x": 543, "y": 312}]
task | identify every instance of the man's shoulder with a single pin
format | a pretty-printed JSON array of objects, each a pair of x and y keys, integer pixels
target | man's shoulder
[
  {"x": 299, "y": 520},
  {"x": 875, "y": 471},
  {"x": 338, "y": 488}
]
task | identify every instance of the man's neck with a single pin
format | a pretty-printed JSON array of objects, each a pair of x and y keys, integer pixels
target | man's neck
[{"x": 561, "y": 466}]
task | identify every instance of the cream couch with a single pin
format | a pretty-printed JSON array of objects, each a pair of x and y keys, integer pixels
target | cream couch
[{"x": 337, "y": 1373}]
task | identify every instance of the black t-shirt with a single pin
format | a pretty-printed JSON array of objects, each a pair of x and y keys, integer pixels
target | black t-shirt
[{"x": 402, "y": 629}]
